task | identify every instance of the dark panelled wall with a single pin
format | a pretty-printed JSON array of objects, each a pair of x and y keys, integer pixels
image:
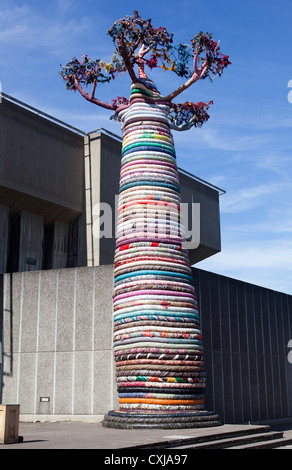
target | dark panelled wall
[{"x": 246, "y": 330}]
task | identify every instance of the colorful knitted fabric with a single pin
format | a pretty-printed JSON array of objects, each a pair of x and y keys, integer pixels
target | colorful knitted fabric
[{"x": 157, "y": 338}]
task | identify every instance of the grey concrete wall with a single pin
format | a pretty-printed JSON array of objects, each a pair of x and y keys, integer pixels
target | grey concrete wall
[
  {"x": 109, "y": 181},
  {"x": 58, "y": 344},
  {"x": 57, "y": 341},
  {"x": 193, "y": 191},
  {"x": 4, "y": 232},
  {"x": 41, "y": 165}
]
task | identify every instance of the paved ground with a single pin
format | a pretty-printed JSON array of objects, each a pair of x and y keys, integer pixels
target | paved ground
[{"x": 79, "y": 435}]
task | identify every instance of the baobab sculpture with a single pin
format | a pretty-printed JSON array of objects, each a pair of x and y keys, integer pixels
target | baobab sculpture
[{"x": 159, "y": 359}]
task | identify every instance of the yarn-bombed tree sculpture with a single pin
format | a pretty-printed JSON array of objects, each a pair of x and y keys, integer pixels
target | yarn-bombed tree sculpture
[{"x": 157, "y": 344}]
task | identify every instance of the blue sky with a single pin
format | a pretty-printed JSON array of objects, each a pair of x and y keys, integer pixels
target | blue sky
[{"x": 245, "y": 147}]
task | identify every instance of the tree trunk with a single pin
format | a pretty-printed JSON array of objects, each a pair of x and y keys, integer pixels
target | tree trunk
[{"x": 157, "y": 337}]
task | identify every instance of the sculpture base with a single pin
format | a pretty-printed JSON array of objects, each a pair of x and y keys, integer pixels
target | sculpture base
[{"x": 170, "y": 420}]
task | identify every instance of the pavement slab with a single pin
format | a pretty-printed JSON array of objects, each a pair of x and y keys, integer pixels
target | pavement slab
[{"x": 80, "y": 435}]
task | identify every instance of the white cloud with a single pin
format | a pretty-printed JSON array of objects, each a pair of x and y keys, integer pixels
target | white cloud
[
  {"x": 276, "y": 162},
  {"x": 25, "y": 28},
  {"x": 64, "y": 6},
  {"x": 227, "y": 141},
  {"x": 246, "y": 198},
  {"x": 265, "y": 263},
  {"x": 278, "y": 220},
  {"x": 235, "y": 117}
]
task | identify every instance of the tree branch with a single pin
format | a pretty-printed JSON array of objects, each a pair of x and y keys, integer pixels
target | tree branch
[
  {"x": 131, "y": 52},
  {"x": 93, "y": 89},
  {"x": 125, "y": 56},
  {"x": 197, "y": 75},
  {"x": 142, "y": 52},
  {"x": 183, "y": 127},
  {"x": 91, "y": 97}
]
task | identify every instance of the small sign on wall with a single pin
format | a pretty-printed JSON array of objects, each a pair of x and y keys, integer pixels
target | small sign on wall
[{"x": 31, "y": 261}]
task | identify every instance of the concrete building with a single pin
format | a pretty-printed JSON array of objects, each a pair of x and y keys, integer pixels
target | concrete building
[
  {"x": 56, "y": 280},
  {"x": 58, "y": 361},
  {"x": 53, "y": 179}
]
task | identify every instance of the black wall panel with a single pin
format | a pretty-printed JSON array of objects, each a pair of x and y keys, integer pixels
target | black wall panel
[{"x": 246, "y": 330}]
